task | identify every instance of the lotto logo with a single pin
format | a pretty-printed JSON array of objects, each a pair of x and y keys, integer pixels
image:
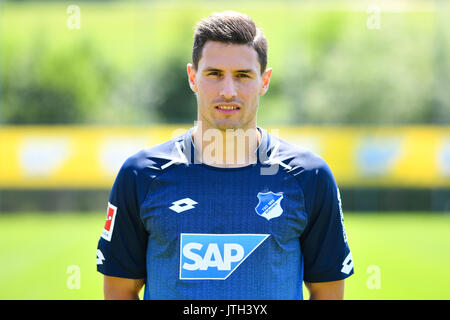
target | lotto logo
[{"x": 215, "y": 256}]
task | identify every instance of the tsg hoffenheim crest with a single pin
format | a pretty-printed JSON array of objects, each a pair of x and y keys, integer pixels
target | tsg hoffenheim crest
[{"x": 269, "y": 204}]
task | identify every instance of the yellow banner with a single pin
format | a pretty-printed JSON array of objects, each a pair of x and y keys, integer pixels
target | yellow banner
[{"x": 90, "y": 157}]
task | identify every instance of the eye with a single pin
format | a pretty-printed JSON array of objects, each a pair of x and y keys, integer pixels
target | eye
[
  {"x": 214, "y": 73},
  {"x": 243, "y": 75}
]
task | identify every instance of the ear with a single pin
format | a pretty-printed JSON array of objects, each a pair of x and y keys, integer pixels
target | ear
[
  {"x": 265, "y": 81},
  {"x": 191, "y": 77}
]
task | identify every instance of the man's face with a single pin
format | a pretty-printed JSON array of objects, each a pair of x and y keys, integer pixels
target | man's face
[{"x": 228, "y": 84}]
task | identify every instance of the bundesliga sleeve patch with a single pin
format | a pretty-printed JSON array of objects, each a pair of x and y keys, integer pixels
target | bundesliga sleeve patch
[{"x": 109, "y": 224}]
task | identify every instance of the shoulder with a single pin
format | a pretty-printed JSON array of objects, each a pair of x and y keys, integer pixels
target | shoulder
[
  {"x": 155, "y": 159},
  {"x": 311, "y": 171},
  {"x": 143, "y": 167},
  {"x": 297, "y": 160}
]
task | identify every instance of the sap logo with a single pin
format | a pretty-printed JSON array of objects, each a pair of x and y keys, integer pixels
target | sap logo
[{"x": 215, "y": 256}]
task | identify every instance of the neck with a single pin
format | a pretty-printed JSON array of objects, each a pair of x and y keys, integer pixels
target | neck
[{"x": 228, "y": 148}]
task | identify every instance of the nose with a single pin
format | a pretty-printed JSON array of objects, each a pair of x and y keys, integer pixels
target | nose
[{"x": 228, "y": 90}]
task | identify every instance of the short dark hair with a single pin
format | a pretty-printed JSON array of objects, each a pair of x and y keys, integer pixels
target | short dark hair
[{"x": 229, "y": 27}]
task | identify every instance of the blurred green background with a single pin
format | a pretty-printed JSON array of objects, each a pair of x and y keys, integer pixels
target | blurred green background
[
  {"x": 126, "y": 63},
  {"x": 338, "y": 63}
]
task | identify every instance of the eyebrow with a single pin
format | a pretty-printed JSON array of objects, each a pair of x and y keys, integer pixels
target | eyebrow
[
  {"x": 209, "y": 69},
  {"x": 246, "y": 71},
  {"x": 212, "y": 69}
]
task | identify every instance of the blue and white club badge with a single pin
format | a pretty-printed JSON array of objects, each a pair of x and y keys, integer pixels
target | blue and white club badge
[{"x": 269, "y": 204}]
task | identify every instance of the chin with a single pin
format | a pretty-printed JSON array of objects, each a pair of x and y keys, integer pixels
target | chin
[{"x": 226, "y": 126}]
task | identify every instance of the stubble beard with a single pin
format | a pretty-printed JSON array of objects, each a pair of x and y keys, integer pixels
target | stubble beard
[{"x": 209, "y": 122}]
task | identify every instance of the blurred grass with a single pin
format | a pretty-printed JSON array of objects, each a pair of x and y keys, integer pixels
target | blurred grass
[
  {"x": 36, "y": 250},
  {"x": 411, "y": 251}
]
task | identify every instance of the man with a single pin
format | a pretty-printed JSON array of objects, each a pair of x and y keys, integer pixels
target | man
[{"x": 205, "y": 217}]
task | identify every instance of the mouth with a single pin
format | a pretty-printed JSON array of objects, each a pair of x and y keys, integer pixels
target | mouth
[{"x": 227, "y": 108}]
